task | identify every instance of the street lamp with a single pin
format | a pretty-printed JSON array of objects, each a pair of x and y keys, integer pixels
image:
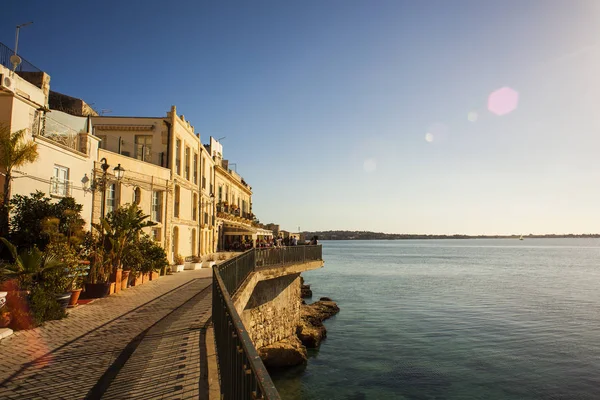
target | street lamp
[{"x": 118, "y": 172}]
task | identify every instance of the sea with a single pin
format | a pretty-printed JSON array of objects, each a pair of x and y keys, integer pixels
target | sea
[{"x": 455, "y": 319}]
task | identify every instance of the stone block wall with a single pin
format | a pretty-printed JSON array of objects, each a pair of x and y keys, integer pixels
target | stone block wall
[{"x": 273, "y": 311}]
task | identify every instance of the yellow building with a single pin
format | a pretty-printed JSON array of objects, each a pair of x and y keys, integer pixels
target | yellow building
[
  {"x": 234, "y": 206},
  {"x": 170, "y": 143}
]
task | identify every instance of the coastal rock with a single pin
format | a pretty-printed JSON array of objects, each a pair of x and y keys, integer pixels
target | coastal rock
[
  {"x": 311, "y": 330},
  {"x": 305, "y": 291},
  {"x": 285, "y": 353}
]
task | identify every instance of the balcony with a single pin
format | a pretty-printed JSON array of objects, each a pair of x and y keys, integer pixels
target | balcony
[{"x": 60, "y": 188}]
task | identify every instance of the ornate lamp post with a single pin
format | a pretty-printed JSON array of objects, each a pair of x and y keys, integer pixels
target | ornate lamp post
[{"x": 118, "y": 172}]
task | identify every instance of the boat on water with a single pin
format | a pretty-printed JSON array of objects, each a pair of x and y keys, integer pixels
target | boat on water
[{"x": 521, "y": 238}]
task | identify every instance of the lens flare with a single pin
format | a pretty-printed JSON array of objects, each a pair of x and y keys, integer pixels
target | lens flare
[
  {"x": 429, "y": 137},
  {"x": 472, "y": 116},
  {"x": 503, "y": 101}
]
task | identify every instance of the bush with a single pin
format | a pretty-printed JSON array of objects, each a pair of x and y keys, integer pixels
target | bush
[{"x": 44, "y": 307}]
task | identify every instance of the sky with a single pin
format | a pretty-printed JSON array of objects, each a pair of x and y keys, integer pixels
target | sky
[{"x": 450, "y": 116}]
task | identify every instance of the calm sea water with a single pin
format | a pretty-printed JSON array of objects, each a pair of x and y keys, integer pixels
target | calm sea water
[{"x": 456, "y": 319}]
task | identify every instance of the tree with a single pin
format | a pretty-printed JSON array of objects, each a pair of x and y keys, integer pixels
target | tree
[
  {"x": 36, "y": 219},
  {"x": 14, "y": 153}
]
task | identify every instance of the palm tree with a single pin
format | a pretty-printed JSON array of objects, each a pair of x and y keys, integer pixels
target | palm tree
[
  {"x": 14, "y": 153},
  {"x": 28, "y": 264}
]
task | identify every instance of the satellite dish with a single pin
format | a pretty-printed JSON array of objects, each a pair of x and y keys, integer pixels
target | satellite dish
[{"x": 15, "y": 60}]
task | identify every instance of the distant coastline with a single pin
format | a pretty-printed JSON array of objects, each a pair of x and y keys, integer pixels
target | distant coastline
[{"x": 366, "y": 235}]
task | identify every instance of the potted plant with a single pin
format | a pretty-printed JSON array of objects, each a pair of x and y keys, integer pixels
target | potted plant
[
  {"x": 120, "y": 231},
  {"x": 194, "y": 263},
  {"x": 179, "y": 263},
  {"x": 209, "y": 262},
  {"x": 97, "y": 283}
]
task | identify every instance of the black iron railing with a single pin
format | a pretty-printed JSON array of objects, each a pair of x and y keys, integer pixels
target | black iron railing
[
  {"x": 25, "y": 66},
  {"x": 242, "y": 372}
]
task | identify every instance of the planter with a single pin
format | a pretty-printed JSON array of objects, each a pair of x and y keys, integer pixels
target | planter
[
  {"x": 112, "y": 288},
  {"x": 97, "y": 290},
  {"x": 209, "y": 264},
  {"x": 154, "y": 275},
  {"x": 63, "y": 299},
  {"x": 74, "y": 298},
  {"x": 192, "y": 266},
  {"x": 145, "y": 277},
  {"x": 137, "y": 281},
  {"x": 125, "y": 279},
  {"x": 117, "y": 280},
  {"x": 177, "y": 268}
]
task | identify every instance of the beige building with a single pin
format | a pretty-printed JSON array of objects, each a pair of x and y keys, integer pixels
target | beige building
[
  {"x": 164, "y": 167},
  {"x": 169, "y": 143},
  {"x": 67, "y": 150},
  {"x": 234, "y": 205}
]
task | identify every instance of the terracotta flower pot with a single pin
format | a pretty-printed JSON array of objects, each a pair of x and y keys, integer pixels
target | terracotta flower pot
[
  {"x": 154, "y": 275},
  {"x": 118, "y": 276},
  {"x": 124, "y": 279},
  {"x": 145, "y": 277},
  {"x": 74, "y": 298},
  {"x": 137, "y": 281}
]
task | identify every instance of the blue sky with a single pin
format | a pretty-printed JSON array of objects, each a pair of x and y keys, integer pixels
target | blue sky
[{"x": 326, "y": 105}]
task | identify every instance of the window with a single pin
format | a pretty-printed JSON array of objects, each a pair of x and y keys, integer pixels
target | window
[
  {"x": 195, "y": 168},
  {"x": 178, "y": 156},
  {"x": 177, "y": 198},
  {"x": 187, "y": 163},
  {"x": 203, "y": 173},
  {"x": 210, "y": 177},
  {"x": 220, "y": 194},
  {"x": 137, "y": 196},
  {"x": 205, "y": 218},
  {"x": 195, "y": 207},
  {"x": 143, "y": 147},
  {"x": 157, "y": 206},
  {"x": 60, "y": 181},
  {"x": 110, "y": 198}
]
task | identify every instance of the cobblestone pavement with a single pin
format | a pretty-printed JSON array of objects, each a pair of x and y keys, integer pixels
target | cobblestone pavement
[{"x": 147, "y": 342}]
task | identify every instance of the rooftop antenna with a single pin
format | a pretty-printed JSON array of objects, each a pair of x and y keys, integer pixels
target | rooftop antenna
[
  {"x": 105, "y": 111},
  {"x": 221, "y": 138},
  {"x": 15, "y": 60}
]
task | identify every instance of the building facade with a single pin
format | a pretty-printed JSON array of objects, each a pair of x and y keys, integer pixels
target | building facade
[{"x": 165, "y": 169}]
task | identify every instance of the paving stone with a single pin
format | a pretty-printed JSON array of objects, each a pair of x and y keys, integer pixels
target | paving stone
[{"x": 143, "y": 343}]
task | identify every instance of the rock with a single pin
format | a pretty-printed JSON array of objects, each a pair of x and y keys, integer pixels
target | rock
[
  {"x": 305, "y": 291},
  {"x": 285, "y": 353},
  {"x": 311, "y": 330},
  {"x": 325, "y": 299}
]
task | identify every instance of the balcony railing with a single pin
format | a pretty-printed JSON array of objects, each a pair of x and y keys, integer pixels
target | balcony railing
[
  {"x": 242, "y": 372},
  {"x": 25, "y": 66},
  {"x": 59, "y": 187}
]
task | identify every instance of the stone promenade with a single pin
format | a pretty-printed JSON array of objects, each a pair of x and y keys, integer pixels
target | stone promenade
[{"x": 147, "y": 342}]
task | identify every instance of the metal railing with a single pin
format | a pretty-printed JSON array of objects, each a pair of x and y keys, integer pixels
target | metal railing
[
  {"x": 25, "y": 66},
  {"x": 242, "y": 372}
]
